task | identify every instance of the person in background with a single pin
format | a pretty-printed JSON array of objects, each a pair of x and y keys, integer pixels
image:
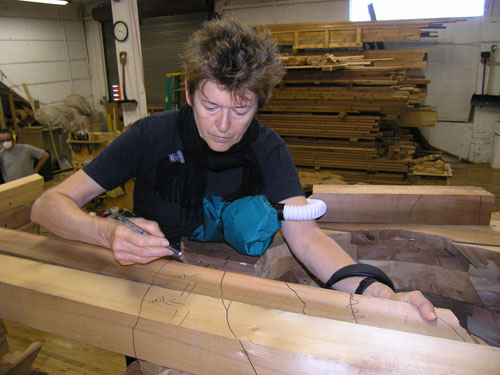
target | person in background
[
  {"x": 19, "y": 160},
  {"x": 213, "y": 144}
]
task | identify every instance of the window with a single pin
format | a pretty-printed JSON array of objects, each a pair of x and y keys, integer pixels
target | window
[{"x": 411, "y": 9}]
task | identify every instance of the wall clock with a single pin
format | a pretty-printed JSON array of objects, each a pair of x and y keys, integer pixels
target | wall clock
[{"x": 120, "y": 31}]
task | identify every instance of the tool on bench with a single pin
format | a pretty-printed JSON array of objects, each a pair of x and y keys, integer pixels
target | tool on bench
[{"x": 177, "y": 253}]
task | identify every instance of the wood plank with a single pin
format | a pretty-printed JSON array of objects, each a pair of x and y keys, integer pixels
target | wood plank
[
  {"x": 459, "y": 205},
  {"x": 207, "y": 335},
  {"x": 15, "y": 120},
  {"x": 238, "y": 287},
  {"x": 20, "y": 191},
  {"x": 15, "y": 217}
]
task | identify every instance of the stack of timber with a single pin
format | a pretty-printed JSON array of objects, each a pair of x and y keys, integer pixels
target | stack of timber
[
  {"x": 218, "y": 322},
  {"x": 337, "y": 93}
]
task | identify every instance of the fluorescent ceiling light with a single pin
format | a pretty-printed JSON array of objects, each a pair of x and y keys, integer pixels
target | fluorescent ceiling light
[{"x": 53, "y": 2}]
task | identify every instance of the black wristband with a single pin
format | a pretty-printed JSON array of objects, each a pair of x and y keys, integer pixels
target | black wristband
[
  {"x": 360, "y": 269},
  {"x": 365, "y": 283}
]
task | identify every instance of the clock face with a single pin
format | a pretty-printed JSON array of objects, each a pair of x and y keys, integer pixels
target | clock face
[{"x": 120, "y": 30}]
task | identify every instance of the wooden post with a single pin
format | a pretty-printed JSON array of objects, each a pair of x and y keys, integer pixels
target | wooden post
[
  {"x": 3, "y": 124},
  {"x": 15, "y": 120}
]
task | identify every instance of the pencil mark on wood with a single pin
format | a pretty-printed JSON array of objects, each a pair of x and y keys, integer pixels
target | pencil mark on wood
[
  {"x": 352, "y": 302},
  {"x": 185, "y": 288},
  {"x": 301, "y": 300},
  {"x": 480, "y": 208},
  {"x": 192, "y": 289},
  {"x": 411, "y": 209},
  {"x": 183, "y": 319},
  {"x": 194, "y": 276},
  {"x": 173, "y": 316},
  {"x": 162, "y": 300},
  {"x": 142, "y": 302},
  {"x": 453, "y": 328},
  {"x": 229, "y": 324}
]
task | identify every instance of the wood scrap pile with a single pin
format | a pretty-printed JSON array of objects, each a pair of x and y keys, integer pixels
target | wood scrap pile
[
  {"x": 351, "y": 107},
  {"x": 426, "y": 167}
]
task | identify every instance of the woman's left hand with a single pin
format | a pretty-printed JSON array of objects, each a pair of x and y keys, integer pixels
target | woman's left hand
[{"x": 417, "y": 299}]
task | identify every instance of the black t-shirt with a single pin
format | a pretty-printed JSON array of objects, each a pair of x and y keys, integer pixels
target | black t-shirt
[{"x": 137, "y": 152}]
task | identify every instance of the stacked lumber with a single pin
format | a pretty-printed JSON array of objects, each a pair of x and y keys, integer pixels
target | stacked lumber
[
  {"x": 353, "y": 34},
  {"x": 341, "y": 154},
  {"x": 335, "y": 89},
  {"x": 352, "y": 127},
  {"x": 422, "y": 116},
  {"x": 217, "y": 322}
]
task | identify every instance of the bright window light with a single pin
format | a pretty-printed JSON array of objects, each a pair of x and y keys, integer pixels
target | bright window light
[
  {"x": 411, "y": 9},
  {"x": 52, "y": 2}
]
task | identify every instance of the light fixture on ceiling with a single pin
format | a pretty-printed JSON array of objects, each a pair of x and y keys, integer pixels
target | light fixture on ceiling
[{"x": 52, "y": 2}]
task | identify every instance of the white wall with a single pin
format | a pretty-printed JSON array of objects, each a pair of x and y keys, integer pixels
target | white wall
[
  {"x": 262, "y": 12},
  {"x": 473, "y": 141},
  {"x": 44, "y": 47}
]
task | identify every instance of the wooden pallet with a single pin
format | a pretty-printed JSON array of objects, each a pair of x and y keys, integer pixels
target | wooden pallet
[{"x": 352, "y": 34}]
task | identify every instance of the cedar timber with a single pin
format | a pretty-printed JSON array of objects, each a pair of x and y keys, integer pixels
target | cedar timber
[
  {"x": 216, "y": 335},
  {"x": 465, "y": 205}
]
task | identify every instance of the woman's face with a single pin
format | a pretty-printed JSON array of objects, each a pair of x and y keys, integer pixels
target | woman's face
[{"x": 221, "y": 119}]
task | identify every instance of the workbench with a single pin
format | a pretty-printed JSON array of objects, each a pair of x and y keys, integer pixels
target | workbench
[
  {"x": 231, "y": 314},
  {"x": 206, "y": 321}
]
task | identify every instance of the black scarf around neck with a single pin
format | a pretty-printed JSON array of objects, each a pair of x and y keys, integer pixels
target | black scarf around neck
[{"x": 186, "y": 182}]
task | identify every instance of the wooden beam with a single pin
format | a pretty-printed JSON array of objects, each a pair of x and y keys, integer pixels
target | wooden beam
[
  {"x": 3, "y": 124},
  {"x": 15, "y": 217},
  {"x": 457, "y": 205},
  {"x": 20, "y": 191},
  {"x": 28, "y": 96},
  {"x": 256, "y": 291},
  {"x": 215, "y": 335},
  {"x": 15, "y": 120}
]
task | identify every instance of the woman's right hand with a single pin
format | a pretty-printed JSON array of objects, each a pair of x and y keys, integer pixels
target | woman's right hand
[{"x": 130, "y": 247}]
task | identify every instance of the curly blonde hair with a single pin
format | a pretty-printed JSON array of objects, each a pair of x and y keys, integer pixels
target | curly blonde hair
[{"x": 237, "y": 56}]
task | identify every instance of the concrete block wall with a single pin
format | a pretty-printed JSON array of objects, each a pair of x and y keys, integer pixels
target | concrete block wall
[
  {"x": 44, "y": 46},
  {"x": 472, "y": 137}
]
